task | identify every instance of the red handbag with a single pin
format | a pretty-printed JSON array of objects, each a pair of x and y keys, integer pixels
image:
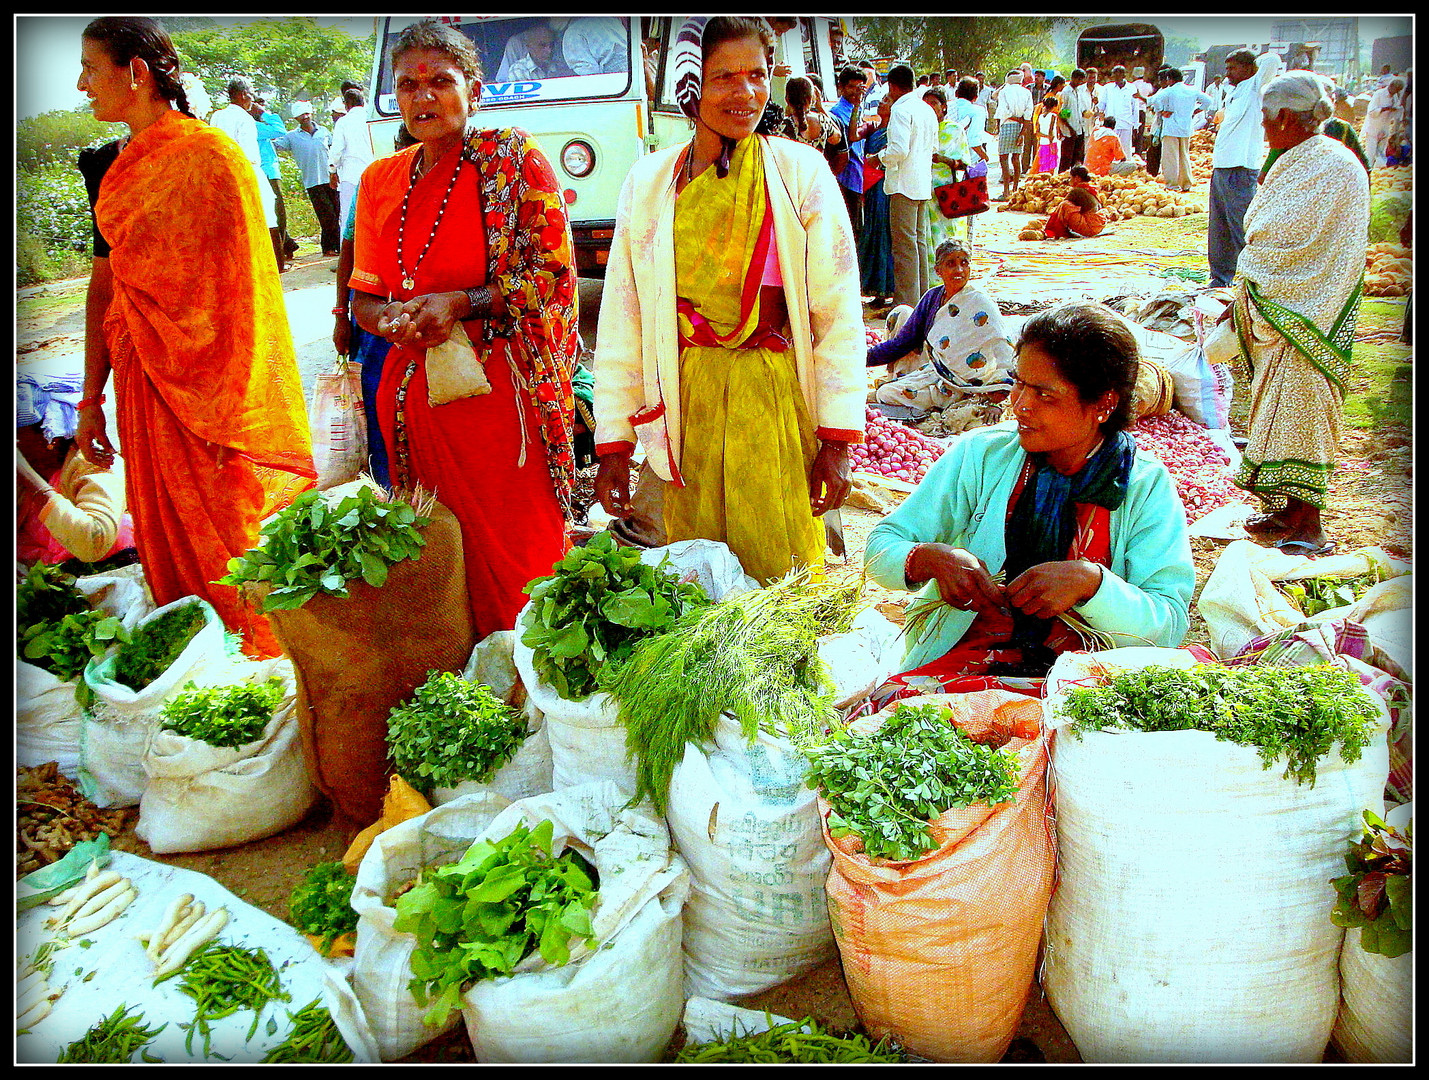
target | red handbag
[{"x": 962, "y": 198}]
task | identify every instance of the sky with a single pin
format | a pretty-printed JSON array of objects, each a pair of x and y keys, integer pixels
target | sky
[{"x": 47, "y": 47}]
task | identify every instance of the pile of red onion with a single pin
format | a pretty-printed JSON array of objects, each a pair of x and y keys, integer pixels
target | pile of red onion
[
  {"x": 895, "y": 450},
  {"x": 1200, "y": 468},
  {"x": 872, "y": 337}
]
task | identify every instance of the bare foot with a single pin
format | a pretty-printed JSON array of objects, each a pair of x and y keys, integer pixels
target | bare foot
[{"x": 1267, "y": 525}]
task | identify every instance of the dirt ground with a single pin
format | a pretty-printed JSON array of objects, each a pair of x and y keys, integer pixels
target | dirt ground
[{"x": 1371, "y": 503}]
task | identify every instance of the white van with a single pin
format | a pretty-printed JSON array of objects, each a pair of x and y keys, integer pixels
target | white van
[{"x": 578, "y": 85}]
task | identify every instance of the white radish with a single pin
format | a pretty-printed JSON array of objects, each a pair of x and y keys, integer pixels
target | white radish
[
  {"x": 91, "y": 886},
  {"x": 100, "y": 900},
  {"x": 31, "y": 997},
  {"x": 32, "y": 1017},
  {"x": 104, "y": 915},
  {"x": 63, "y": 898},
  {"x": 34, "y": 978},
  {"x": 180, "y": 928},
  {"x": 171, "y": 918},
  {"x": 177, "y": 954},
  {"x": 93, "y": 871}
]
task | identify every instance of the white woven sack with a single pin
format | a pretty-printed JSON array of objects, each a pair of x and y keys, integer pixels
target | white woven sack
[
  {"x": 201, "y": 797},
  {"x": 860, "y": 660},
  {"x": 621, "y": 1001},
  {"x": 115, "y": 735},
  {"x": 382, "y": 956},
  {"x": 1376, "y": 1021},
  {"x": 707, "y": 1021},
  {"x": 1191, "y": 920},
  {"x": 527, "y": 773},
  {"x": 748, "y": 825}
]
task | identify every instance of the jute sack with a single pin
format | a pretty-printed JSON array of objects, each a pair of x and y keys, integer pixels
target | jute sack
[
  {"x": 940, "y": 952},
  {"x": 1191, "y": 921},
  {"x": 355, "y": 659}
]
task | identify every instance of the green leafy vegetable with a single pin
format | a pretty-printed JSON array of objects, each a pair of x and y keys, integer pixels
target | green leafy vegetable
[
  {"x": 317, "y": 546},
  {"x": 754, "y": 656},
  {"x": 599, "y": 601},
  {"x": 1317, "y": 594},
  {"x": 224, "y": 979},
  {"x": 321, "y": 905},
  {"x": 452, "y": 731},
  {"x": 46, "y": 595},
  {"x": 65, "y": 648},
  {"x": 314, "y": 1038},
  {"x": 1299, "y": 712},
  {"x": 479, "y": 917},
  {"x": 1377, "y": 893},
  {"x": 227, "y": 716},
  {"x": 797, "y": 1042},
  {"x": 885, "y": 786},
  {"x": 155, "y": 645},
  {"x": 114, "y": 1040}
]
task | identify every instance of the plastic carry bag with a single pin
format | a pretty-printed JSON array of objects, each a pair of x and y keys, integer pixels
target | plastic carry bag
[{"x": 339, "y": 425}]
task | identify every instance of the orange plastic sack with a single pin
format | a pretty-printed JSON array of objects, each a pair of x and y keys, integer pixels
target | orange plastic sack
[{"x": 939, "y": 953}]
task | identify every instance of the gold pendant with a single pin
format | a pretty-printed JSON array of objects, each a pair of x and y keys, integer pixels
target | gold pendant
[{"x": 408, "y": 284}]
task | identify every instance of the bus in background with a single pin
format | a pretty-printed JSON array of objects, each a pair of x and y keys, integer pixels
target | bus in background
[{"x": 582, "y": 87}]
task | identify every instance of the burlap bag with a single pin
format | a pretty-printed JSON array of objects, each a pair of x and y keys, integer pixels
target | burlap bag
[
  {"x": 358, "y": 658},
  {"x": 939, "y": 952}
]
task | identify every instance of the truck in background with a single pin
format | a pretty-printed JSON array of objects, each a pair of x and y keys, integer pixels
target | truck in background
[
  {"x": 579, "y": 85},
  {"x": 1131, "y": 45}
]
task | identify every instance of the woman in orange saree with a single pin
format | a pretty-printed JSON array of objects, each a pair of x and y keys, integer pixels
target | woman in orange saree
[
  {"x": 187, "y": 312},
  {"x": 463, "y": 261}
]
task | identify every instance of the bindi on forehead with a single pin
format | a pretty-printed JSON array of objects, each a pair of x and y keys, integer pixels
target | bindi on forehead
[{"x": 421, "y": 69}]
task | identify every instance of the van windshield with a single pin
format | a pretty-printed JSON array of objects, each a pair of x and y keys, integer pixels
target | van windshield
[{"x": 531, "y": 59}]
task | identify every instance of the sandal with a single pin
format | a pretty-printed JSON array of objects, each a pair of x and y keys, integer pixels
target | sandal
[{"x": 1307, "y": 548}]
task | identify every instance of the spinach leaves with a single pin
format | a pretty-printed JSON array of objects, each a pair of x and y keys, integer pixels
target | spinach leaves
[
  {"x": 154, "y": 646},
  {"x": 56, "y": 629},
  {"x": 226, "y": 716},
  {"x": 321, "y": 905},
  {"x": 452, "y": 731},
  {"x": 1377, "y": 893}
]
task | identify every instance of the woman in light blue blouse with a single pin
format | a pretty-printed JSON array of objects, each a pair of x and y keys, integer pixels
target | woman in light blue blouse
[{"x": 1053, "y": 511}]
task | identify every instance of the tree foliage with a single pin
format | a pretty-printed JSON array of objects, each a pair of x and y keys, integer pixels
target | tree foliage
[
  {"x": 302, "y": 60},
  {"x": 56, "y": 137},
  {"x": 976, "y": 42}
]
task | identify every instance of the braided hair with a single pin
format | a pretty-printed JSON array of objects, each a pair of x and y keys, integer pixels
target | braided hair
[{"x": 133, "y": 37}]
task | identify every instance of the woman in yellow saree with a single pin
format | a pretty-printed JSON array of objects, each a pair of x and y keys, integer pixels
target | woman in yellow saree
[
  {"x": 186, "y": 309},
  {"x": 744, "y": 381}
]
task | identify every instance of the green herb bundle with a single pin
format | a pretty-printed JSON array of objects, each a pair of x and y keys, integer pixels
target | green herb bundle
[
  {"x": 451, "y": 731},
  {"x": 314, "y": 1038},
  {"x": 223, "y": 979},
  {"x": 1299, "y": 712},
  {"x": 885, "y": 786},
  {"x": 154, "y": 646},
  {"x": 46, "y": 595},
  {"x": 321, "y": 904},
  {"x": 1377, "y": 893},
  {"x": 596, "y": 605},
  {"x": 1317, "y": 594},
  {"x": 479, "y": 917},
  {"x": 66, "y": 647},
  {"x": 317, "y": 546},
  {"x": 225, "y": 716},
  {"x": 797, "y": 1042},
  {"x": 114, "y": 1040},
  {"x": 754, "y": 656}
]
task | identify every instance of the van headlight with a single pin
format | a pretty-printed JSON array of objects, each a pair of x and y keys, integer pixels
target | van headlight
[{"x": 578, "y": 159}]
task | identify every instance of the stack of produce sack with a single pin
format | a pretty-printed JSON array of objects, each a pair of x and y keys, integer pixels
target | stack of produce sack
[{"x": 1200, "y": 811}]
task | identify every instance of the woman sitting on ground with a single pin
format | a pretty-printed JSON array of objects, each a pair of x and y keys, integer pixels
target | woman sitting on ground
[
  {"x": 1055, "y": 511},
  {"x": 952, "y": 350},
  {"x": 1105, "y": 154},
  {"x": 1078, "y": 215}
]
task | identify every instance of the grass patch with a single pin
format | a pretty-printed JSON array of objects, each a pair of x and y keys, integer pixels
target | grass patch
[{"x": 1380, "y": 389}]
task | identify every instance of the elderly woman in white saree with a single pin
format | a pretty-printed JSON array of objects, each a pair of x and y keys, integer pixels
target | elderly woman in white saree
[{"x": 1297, "y": 298}]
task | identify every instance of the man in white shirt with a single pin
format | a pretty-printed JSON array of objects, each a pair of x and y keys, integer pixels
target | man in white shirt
[
  {"x": 1386, "y": 112},
  {"x": 1119, "y": 102},
  {"x": 1012, "y": 117},
  {"x": 1236, "y": 160},
  {"x": 1142, "y": 91},
  {"x": 351, "y": 149},
  {"x": 1079, "y": 110},
  {"x": 1176, "y": 104},
  {"x": 237, "y": 122},
  {"x": 907, "y": 163}
]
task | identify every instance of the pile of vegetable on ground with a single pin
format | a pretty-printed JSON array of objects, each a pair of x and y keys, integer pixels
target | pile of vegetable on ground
[
  {"x": 1389, "y": 270},
  {"x": 1200, "y": 468},
  {"x": 795, "y": 1042},
  {"x": 52, "y": 816},
  {"x": 894, "y": 450}
]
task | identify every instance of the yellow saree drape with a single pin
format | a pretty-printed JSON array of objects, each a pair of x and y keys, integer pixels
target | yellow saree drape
[{"x": 748, "y": 440}]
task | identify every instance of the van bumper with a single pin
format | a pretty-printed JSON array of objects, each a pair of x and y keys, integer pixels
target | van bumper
[{"x": 592, "y": 243}]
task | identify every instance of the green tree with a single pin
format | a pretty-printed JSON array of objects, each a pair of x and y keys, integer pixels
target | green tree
[
  {"x": 57, "y": 136},
  {"x": 303, "y": 60},
  {"x": 969, "y": 43}
]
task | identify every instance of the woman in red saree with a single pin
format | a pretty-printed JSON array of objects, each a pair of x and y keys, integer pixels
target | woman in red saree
[
  {"x": 464, "y": 238},
  {"x": 186, "y": 310}
]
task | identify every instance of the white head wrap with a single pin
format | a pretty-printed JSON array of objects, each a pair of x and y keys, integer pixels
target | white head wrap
[
  {"x": 200, "y": 104},
  {"x": 1300, "y": 92},
  {"x": 1014, "y": 78}
]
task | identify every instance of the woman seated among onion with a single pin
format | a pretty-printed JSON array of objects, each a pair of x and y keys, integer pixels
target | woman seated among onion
[
  {"x": 951, "y": 352},
  {"x": 1050, "y": 519}
]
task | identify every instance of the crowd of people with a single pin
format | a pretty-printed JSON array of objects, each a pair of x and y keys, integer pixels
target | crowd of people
[{"x": 731, "y": 346}]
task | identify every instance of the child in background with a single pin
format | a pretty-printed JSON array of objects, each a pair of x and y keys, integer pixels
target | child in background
[
  {"x": 1079, "y": 215},
  {"x": 1049, "y": 135}
]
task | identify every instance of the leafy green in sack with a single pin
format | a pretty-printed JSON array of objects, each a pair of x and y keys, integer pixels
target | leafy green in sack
[
  {"x": 44, "y": 596},
  {"x": 321, "y": 905},
  {"x": 155, "y": 645},
  {"x": 885, "y": 786},
  {"x": 596, "y": 605},
  {"x": 479, "y": 917},
  {"x": 65, "y": 648},
  {"x": 754, "y": 656},
  {"x": 1317, "y": 594},
  {"x": 1377, "y": 893},
  {"x": 226, "y": 716},
  {"x": 318, "y": 546},
  {"x": 452, "y": 731},
  {"x": 1299, "y": 713}
]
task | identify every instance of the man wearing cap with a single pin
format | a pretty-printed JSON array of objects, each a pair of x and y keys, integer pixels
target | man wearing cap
[{"x": 308, "y": 144}]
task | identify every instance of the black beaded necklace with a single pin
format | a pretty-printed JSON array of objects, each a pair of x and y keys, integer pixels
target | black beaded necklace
[{"x": 409, "y": 281}]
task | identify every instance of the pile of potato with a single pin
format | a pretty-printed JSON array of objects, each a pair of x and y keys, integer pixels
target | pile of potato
[
  {"x": 1391, "y": 178},
  {"x": 1121, "y": 197},
  {"x": 1388, "y": 270}
]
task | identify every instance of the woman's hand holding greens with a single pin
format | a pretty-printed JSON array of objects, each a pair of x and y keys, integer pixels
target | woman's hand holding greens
[{"x": 963, "y": 580}]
